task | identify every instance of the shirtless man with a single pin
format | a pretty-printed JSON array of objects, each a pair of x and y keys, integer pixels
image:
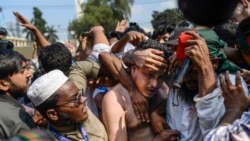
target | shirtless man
[{"x": 119, "y": 116}]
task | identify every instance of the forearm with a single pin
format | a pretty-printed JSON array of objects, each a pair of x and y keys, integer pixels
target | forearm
[
  {"x": 34, "y": 54},
  {"x": 206, "y": 80},
  {"x": 128, "y": 58},
  {"x": 40, "y": 38},
  {"x": 114, "y": 65},
  {"x": 99, "y": 37},
  {"x": 120, "y": 45},
  {"x": 230, "y": 116}
]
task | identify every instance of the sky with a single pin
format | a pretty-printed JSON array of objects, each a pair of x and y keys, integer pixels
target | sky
[{"x": 60, "y": 13}]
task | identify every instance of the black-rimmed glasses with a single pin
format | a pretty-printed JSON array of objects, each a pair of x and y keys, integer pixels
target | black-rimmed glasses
[{"x": 77, "y": 102}]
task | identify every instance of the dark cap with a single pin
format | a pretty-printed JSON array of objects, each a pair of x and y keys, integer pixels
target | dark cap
[
  {"x": 173, "y": 39},
  {"x": 3, "y": 31}
]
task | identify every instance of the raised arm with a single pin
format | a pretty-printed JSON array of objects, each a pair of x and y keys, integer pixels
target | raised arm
[
  {"x": 235, "y": 124},
  {"x": 114, "y": 65},
  {"x": 197, "y": 51},
  {"x": 24, "y": 22},
  {"x": 236, "y": 101}
]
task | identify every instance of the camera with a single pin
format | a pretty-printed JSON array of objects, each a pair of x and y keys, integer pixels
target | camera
[
  {"x": 5, "y": 44},
  {"x": 3, "y": 31}
]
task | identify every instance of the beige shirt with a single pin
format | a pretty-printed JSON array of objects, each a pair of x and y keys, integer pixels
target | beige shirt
[{"x": 93, "y": 127}]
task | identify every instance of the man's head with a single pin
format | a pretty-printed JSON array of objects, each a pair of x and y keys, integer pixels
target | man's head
[
  {"x": 14, "y": 73},
  {"x": 173, "y": 37},
  {"x": 58, "y": 99},
  {"x": 147, "y": 81},
  {"x": 162, "y": 33},
  {"x": 55, "y": 56}
]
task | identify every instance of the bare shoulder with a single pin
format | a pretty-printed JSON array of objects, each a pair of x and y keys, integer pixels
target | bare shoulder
[{"x": 118, "y": 94}]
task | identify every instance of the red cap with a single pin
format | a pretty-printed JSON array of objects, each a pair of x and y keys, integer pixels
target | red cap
[{"x": 182, "y": 44}]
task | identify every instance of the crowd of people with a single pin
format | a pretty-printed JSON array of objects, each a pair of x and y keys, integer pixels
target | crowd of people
[{"x": 188, "y": 82}]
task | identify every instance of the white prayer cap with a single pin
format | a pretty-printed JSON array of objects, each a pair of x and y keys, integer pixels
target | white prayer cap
[{"x": 45, "y": 86}]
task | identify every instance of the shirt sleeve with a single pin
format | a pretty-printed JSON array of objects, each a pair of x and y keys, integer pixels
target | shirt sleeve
[
  {"x": 80, "y": 71},
  {"x": 210, "y": 109}
]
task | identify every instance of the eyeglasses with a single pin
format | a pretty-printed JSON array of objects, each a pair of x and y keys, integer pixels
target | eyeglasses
[{"x": 77, "y": 102}]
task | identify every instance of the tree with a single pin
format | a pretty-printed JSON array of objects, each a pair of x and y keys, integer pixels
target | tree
[
  {"x": 38, "y": 21},
  {"x": 48, "y": 31},
  {"x": 167, "y": 17},
  {"x": 101, "y": 12},
  {"x": 121, "y": 8},
  {"x": 51, "y": 34}
]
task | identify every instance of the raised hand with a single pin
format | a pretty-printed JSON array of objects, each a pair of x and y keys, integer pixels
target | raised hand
[
  {"x": 24, "y": 22},
  {"x": 234, "y": 95},
  {"x": 121, "y": 26},
  {"x": 235, "y": 99},
  {"x": 197, "y": 52},
  {"x": 150, "y": 59},
  {"x": 135, "y": 37}
]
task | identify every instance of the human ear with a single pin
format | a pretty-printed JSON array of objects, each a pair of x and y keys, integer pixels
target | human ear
[
  {"x": 52, "y": 114},
  {"x": 4, "y": 85}
]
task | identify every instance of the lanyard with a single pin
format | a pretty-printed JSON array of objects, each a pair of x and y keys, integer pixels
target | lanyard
[{"x": 62, "y": 138}]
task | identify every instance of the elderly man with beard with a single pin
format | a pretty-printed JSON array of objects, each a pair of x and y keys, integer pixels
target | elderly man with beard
[
  {"x": 64, "y": 106},
  {"x": 14, "y": 82}
]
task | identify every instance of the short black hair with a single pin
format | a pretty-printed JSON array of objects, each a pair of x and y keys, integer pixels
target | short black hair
[
  {"x": 161, "y": 30},
  {"x": 10, "y": 62},
  {"x": 55, "y": 56}
]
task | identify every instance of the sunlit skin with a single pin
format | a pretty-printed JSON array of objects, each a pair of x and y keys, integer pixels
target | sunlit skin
[{"x": 147, "y": 83}]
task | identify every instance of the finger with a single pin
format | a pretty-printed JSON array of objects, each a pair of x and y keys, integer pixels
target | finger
[
  {"x": 222, "y": 83},
  {"x": 194, "y": 34},
  {"x": 165, "y": 126},
  {"x": 141, "y": 112},
  {"x": 237, "y": 79},
  {"x": 136, "y": 111},
  {"x": 151, "y": 67},
  {"x": 157, "y": 52},
  {"x": 174, "y": 133},
  {"x": 145, "y": 113},
  {"x": 227, "y": 79},
  {"x": 157, "y": 58}
]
